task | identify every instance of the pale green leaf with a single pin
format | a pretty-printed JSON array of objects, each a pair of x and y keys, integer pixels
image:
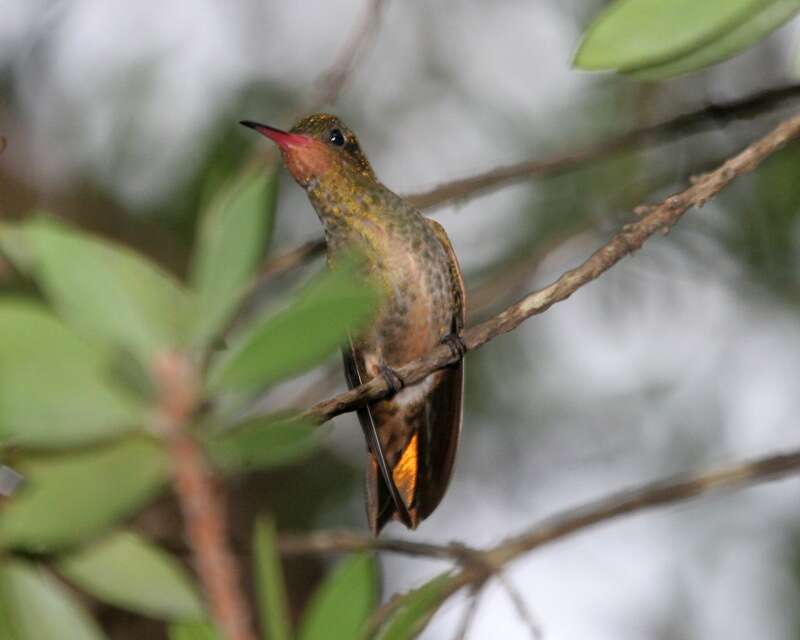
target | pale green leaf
[
  {"x": 38, "y": 607},
  {"x": 102, "y": 289},
  {"x": 128, "y": 571},
  {"x": 312, "y": 327},
  {"x": 270, "y": 583},
  {"x": 193, "y": 631},
  {"x": 53, "y": 383},
  {"x": 630, "y": 34},
  {"x": 341, "y": 605},
  {"x": 263, "y": 443},
  {"x": 738, "y": 39},
  {"x": 71, "y": 497},
  {"x": 233, "y": 233},
  {"x": 415, "y": 608}
]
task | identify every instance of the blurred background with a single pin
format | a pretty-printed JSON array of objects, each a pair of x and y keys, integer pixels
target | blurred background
[{"x": 119, "y": 116}]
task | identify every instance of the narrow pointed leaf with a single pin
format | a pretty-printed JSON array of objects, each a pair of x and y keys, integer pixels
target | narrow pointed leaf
[
  {"x": 69, "y": 498},
  {"x": 630, "y": 34},
  {"x": 412, "y": 613},
  {"x": 38, "y": 607},
  {"x": 53, "y": 383},
  {"x": 312, "y": 327},
  {"x": 733, "y": 42},
  {"x": 102, "y": 289},
  {"x": 270, "y": 583},
  {"x": 340, "y": 607},
  {"x": 127, "y": 571},
  {"x": 263, "y": 443},
  {"x": 230, "y": 245}
]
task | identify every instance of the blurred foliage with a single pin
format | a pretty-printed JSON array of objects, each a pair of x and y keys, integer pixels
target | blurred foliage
[
  {"x": 78, "y": 396},
  {"x": 764, "y": 228},
  {"x": 655, "y": 40}
]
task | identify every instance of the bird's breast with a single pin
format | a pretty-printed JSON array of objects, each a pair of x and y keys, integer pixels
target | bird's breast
[{"x": 417, "y": 309}]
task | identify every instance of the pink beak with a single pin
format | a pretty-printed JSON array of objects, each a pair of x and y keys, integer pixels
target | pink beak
[{"x": 283, "y": 139}]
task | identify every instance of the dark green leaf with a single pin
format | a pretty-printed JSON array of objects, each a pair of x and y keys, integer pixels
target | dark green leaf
[
  {"x": 412, "y": 613},
  {"x": 741, "y": 37},
  {"x": 193, "y": 631},
  {"x": 39, "y": 607},
  {"x": 105, "y": 290},
  {"x": 233, "y": 234},
  {"x": 341, "y": 605},
  {"x": 263, "y": 443},
  {"x": 69, "y": 498},
  {"x": 630, "y": 34},
  {"x": 270, "y": 583},
  {"x": 53, "y": 390},
  {"x": 127, "y": 571},
  {"x": 311, "y": 328}
]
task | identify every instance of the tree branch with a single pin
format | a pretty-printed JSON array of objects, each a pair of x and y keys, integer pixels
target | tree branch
[
  {"x": 202, "y": 508},
  {"x": 654, "y": 218},
  {"x": 333, "y": 80}
]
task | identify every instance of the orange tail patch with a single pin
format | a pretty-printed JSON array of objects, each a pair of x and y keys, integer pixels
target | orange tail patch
[{"x": 405, "y": 472}]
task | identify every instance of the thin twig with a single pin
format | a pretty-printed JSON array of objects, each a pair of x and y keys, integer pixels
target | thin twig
[
  {"x": 289, "y": 260},
  {"x": 520, "y": 606},
  {"x": 202, "y": 508},
  {"x": 658, "y": 218},
  {"x": 470, "y": 609},
  {"x": 336, "y": 76}
]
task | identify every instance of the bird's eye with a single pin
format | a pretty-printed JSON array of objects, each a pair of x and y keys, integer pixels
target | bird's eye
[{"x": 336, "y": 137}]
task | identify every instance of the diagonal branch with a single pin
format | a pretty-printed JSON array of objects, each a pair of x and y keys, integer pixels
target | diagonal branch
[
  {"x": 654, "y": 218},
  {"x": 334, "y": 78}
]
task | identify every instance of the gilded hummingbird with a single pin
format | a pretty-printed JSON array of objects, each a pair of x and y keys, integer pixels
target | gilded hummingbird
[{"x": 412, "y": 436}]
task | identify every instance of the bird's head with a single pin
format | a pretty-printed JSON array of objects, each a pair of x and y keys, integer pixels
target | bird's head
[{"x": 318, "y": 147}]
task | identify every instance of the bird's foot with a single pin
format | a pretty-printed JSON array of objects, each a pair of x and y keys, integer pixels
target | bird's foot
[
  {"x": 393, "y": 381},
  {"x": 456, "y": 344}
]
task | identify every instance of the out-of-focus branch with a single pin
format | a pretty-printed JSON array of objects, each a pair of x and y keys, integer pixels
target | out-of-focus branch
[
  {"x": 654, "y": 218},
  {"x": 465, "y": 188},
  {"x": 682, "y": 125},
  {"x": 202, "y": 508},
  {"x": 336, "y": 76},
  {"x": 292, "y": 259},
  {"x": 476, "y": 565}
]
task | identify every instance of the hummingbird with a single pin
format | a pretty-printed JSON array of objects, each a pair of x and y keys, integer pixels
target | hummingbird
[{"x": 413, "y": 434}]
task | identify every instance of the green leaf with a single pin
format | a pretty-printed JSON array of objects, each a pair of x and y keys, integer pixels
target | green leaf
[
  {"x": 103, "y": 289},
  {"x": 231, "y": 242},
  {"x": 53, "y": 387},
  {"x": 415, "y": 609},
  {"x": 69, "y": 498},
  {"x": 270, "y": 583},
  {"x": 263, "y": 443},
  {"x": 630, "y": 34},
  {"x": 193, "y": 631},
  {"x": 39, "y": 607},
  {"x": 312, "y": 327},
  {"x": 127, "y": 571},
  {"x": 741, "y": 37},
  {"x": 341, "y": 605}
]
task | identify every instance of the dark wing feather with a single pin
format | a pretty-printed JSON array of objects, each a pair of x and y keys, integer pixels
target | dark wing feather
[
  {"x": 383, "y": 498},
  {"x": 445, "y": 403}
]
